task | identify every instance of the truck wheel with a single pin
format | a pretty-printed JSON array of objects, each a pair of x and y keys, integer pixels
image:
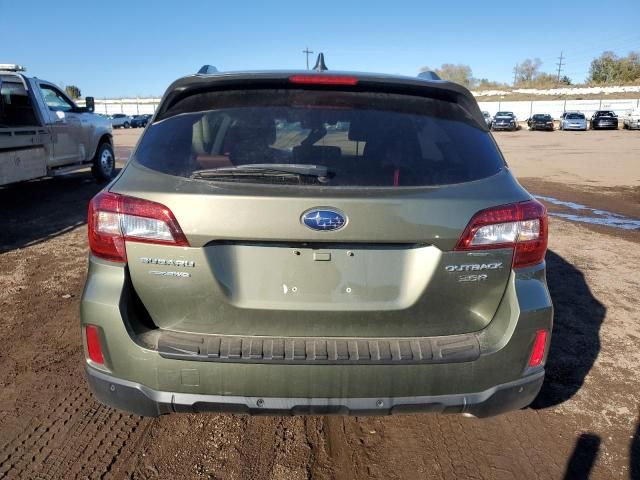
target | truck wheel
[{"x": 104, "y": 163}]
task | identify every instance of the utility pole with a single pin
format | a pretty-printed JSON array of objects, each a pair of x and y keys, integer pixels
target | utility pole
[
  {"x": 515, "y": 74},
  {"x": 560, "y": 65},
  {"x": 307, "y": 52}
]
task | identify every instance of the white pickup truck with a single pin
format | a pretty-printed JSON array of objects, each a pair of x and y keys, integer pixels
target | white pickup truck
[{"x": 44, "y": 133}]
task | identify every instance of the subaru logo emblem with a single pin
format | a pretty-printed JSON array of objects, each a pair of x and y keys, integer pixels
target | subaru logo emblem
[{"x": 323, "y": 219}]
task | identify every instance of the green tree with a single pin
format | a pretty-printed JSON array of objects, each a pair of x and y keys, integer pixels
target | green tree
[
  {"x": 72, "y": 91},
  {"x": 564, "y": 80},
  {"x": 610, "y": 69}
]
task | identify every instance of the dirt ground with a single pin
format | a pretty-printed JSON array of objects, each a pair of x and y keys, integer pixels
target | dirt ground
[{"x": 584, "y": 424}]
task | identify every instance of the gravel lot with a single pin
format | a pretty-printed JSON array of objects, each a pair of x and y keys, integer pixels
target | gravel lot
[{"x": 585, "y": 423}]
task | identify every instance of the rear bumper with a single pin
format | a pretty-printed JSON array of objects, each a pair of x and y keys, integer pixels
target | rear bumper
[
  {"x": 541, "y": 127},
  {"x": 605, "y": 126},
  {"x": 148, "y": 378},
  {"x": 140, "y": 400}
]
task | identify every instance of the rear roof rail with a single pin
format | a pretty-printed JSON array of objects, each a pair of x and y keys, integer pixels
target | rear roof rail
[
  {"x": 207, "y": 70},
  {"x": 429, "y": 75}
]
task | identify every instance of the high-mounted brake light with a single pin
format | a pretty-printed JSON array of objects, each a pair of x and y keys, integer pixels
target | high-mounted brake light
[
  {"x": 539, "y": 347},
  {"x": 323, "y": 79},
  {"x": 521, "y": 226},
  {"x": 114, "y": 219}
]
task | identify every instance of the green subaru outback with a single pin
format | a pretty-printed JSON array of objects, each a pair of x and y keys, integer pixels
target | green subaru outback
[{"x": 316, "y": 243}]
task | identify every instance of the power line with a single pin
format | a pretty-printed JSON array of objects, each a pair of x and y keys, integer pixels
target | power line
[{"x": 307, "y": 52}]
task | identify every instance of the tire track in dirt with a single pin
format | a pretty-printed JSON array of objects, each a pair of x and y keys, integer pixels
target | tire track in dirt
[
  {"x": 78, "y": 438},
  {"x": 444, "y": 447}
]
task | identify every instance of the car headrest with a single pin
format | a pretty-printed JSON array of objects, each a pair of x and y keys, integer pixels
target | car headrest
[
  {"x": 359, "y": 131},
  {"x": 258, "y": 132}
]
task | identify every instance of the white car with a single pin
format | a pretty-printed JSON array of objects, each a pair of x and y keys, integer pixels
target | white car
[
  {"x": 487, "y": 118},
  {"x": 120, "y": 120},
  {"x": 632, "y": 120}
]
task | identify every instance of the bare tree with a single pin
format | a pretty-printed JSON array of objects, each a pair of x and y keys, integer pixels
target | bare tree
[
  {"x": 460, "y": 73},
  {"x": 528, "y": 70}
]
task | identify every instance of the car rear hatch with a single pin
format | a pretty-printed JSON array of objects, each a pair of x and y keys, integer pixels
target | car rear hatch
[{"x": 369, "y": 240}]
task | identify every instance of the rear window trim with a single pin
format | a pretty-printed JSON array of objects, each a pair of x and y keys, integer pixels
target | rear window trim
[{"x": 502, "y": 164}]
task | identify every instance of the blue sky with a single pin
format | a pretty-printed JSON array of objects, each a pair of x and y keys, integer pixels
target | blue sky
[{"x": 136, "y": 48}]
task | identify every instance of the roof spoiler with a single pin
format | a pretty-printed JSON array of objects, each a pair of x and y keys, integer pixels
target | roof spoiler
[
  {"x": 429, "y": 75},
  {"x": 207, "y": 70},
  {"x": 439, "y": 89}
]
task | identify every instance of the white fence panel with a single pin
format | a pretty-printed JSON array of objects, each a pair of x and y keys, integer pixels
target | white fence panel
[
  {"x": 522, "y": 109},
  {"x": 555, "y": 108}
]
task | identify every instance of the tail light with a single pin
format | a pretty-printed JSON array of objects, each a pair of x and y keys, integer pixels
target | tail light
[
  {"x": 94, "y": 348},
  {"x": 114, "y": 219},
  {"x": 521, "y": 226},
  {"x": 539, "y": 347}
]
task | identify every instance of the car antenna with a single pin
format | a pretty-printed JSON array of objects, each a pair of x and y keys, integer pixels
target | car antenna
[
  {"x": 207, "y": 70},
  {"x": 320, "y": 65}
]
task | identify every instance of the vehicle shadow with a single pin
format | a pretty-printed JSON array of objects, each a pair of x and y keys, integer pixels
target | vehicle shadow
[
  {"x": 583, "y": 457},
  {"x": 575, "y": 342},
  {"x": 33, "y": 212}
]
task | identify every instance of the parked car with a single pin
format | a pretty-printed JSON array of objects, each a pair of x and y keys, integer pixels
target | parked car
[
  {"x": 632, "y": 120},
  {"x": 237, "y": 266},
  {"x": 573, "y": 121},
  {"x": 604, "y": 119},
  {"x": 120, "y": 120},
  {"x": 140, "y": 120},
  {"x": 43, "y": 132},
  {"x": 540, "y": 121},
  {"x": 505, "y": 121},
  {"x": 487, "y": 118}
]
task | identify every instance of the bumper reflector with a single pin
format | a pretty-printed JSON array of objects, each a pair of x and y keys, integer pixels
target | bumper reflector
[
  {"x": 539, "y": 346},
  {"x": 93, "y": 344}
]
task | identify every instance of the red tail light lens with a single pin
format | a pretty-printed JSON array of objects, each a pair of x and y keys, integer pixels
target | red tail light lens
[
  {"x": 323, "y": 79},
  {"x": 114, "y": 219},
  {"x": 93, "y": 344},
  {"x": 539, "y": 346},
  {"x": 522, "y": 226}
]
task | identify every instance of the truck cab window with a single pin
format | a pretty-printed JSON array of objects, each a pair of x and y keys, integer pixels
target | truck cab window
[{"x": 55, "y": 100}]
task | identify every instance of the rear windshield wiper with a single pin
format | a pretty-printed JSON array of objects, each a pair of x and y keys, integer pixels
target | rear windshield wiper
[{"x": 261, "y": 170}]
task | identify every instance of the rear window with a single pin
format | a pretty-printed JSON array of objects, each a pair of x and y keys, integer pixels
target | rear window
[
  {"x": 361, "y": 139},
  {"x": 15, "y": 105},
  {"x": 542, "y": 117},
  {"x": 575, "y": 116}
]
